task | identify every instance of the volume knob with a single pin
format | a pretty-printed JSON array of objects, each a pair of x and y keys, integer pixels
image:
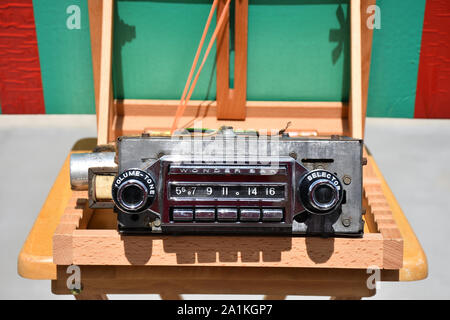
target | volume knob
[
  {"x": 320, "y": 191},
  {"x": 134, "y": 191}
]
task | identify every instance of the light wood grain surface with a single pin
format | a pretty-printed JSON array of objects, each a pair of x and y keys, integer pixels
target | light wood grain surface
[
  {"x": 35, "y": 262},
  {"x": 355, "y": 110},
  {"x": 415, "y": 264},
  {"x": 231, "y": 101},
  {"x": 35, "y": 259},
  {"x": 105, "y": 104},
  {"x": 107, "y": 247},
  {"x": 366, "y": 53},
  {"x": 170, "y": 282}
]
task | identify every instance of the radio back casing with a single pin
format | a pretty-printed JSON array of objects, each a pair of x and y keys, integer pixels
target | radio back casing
[{"x": 221, "y": 192}]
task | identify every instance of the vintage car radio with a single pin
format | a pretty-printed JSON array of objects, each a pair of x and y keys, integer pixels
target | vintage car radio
[{"x": 230, "y": 183}]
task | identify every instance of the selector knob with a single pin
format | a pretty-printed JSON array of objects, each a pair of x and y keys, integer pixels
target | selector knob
[
  {"x": 320, "y": 191},
  {"x": 134, "y": 191}
]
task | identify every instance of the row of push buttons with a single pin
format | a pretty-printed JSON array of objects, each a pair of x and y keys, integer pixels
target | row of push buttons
[{"x": 227, "y": 215}]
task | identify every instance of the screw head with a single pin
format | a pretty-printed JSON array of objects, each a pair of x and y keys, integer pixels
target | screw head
[
  {"x": 293, "y": 155},
  {"x": 347, "y": 180},
  {"x": 346, "y": 222}
]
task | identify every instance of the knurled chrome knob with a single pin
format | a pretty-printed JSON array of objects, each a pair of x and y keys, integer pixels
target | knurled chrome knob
[
  {"x": 320, "y": 191},
  {"x": 134, "y": 191}
]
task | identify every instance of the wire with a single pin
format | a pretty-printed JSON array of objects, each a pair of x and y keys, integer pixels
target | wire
[{"x": 185, "y": 100}]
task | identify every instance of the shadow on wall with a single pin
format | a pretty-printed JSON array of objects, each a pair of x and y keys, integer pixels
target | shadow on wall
[
  {"x": 340, "y": 36},
  {"x": 127, "y": 34},
  {"x": 280, "y": 66},
  {"x": 162, "y": 49}
]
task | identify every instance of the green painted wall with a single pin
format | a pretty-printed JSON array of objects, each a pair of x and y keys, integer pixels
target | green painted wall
[
  {"x": 395, "y": 59},
  {"x": 65, "y": 57},
  {"x": 308, "y": 64},
  {"x": 298, "y": 51},
  {"x": 155, "y": 43}
]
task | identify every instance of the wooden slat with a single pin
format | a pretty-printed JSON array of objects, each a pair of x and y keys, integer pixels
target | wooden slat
[
  {"x": 76, "y": 215},
  {"x": 366, "y": 52},
  {"x": 255, "y": 109},
  {"x": 95, "y": 8},
  {"x": 328, "y": 117},
  {"x": 105, "y": 94},
  {"x": 381, "y": 214},
  {"x": 239, "y": 280},
  {"x": 107, "y": 247},
  {"x": 236, "y": 109},
  {"x": 131, "y": 125},
  {"x": 193, "y": 286},
  {"x": 355, "y": 114},
  {"x": 232, "y": 101},
  {"x": 370, "y": 224},
  {"x": 223, "y": 61},
  {"x": 62, "y": 243},
  {"x": 393, "y": 247},
  {"x": 415, "y": 266}
]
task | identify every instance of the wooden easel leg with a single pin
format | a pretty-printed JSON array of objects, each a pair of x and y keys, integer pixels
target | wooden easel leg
[
  {"x": 231, "y": 102},
  {"x": 90, "y": 296}
]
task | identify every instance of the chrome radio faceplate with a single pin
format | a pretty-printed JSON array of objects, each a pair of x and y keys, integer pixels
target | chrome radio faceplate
[{"x": 296, "y": 186}]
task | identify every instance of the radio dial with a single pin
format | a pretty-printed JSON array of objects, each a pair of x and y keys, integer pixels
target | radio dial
[{"x": 320, "y": 191}]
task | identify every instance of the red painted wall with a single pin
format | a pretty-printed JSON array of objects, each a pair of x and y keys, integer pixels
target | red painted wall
[
  {"x": 20, "y": 72},
  {"x": 433, "y": 83}
]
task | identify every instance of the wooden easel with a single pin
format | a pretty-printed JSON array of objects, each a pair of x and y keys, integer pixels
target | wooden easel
[
  {"x": 75, "y": 234},
  {"x": 231, "y": 105}
]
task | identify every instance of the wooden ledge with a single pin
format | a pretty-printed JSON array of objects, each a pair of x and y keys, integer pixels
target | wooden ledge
[
  {"x": 36, "y": 257},
  {"x": 132, "y": 116},
  {"x": 108, "y": 247},
  {"x": 101, "y": 244}
]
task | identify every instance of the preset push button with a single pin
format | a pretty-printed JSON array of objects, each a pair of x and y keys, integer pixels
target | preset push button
[
  {"x": 227, "y": 214},
  {"x": 183, "y": 215},
  {"x": 274, "y": 215},
  {"x": 205, "y": 214},
  {"x": 250, "y": 215}
]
